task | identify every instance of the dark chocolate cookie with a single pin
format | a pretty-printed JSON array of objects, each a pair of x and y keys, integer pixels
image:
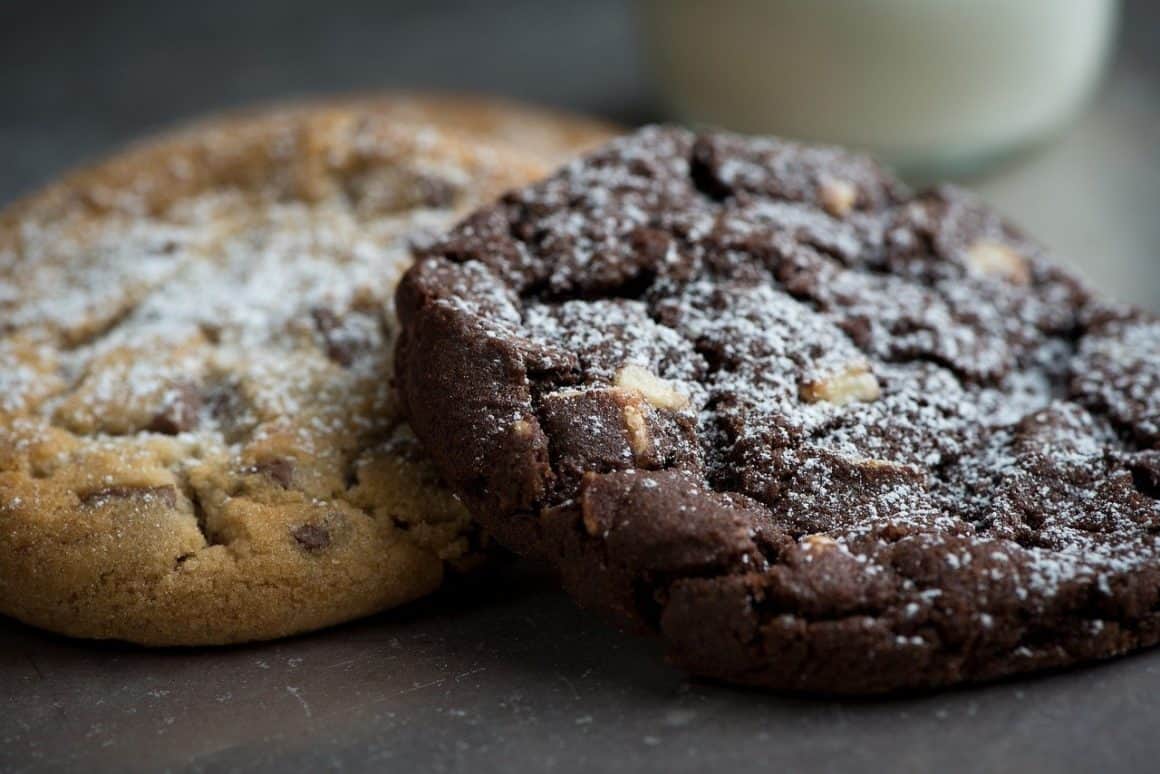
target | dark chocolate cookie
[{"x": 819, "y": 433}]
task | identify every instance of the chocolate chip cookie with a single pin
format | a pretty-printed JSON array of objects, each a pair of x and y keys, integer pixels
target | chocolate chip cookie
[
  {"x": 820, "y": 433},
  {"x": 198, "y": 444}
]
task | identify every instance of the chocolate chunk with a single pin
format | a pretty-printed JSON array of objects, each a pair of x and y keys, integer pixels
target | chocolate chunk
[
  {"x": 165, "y": 495},
  {"x": 211, "y": 331},
  {"x": 311, "y": 537},
  {"x": 325, "y": 320},
  {"x": 343, "y": 344},
  {"x": 651, "y": 244},
  {"x": 179, "y": 414},
  {"x": 435, "y": 191},
  {"x": 328, "y": 323},
  {"x": 278, "y": 469}
]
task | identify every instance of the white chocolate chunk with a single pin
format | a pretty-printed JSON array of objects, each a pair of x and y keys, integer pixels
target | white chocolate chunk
[
  {"x": 837, "y": 196},
  {"x": 637, "y": 429},
  {"x": 657, "y": 391},
  {"x": 998, "y": 260},
  {"x": 855, "y": 382}
]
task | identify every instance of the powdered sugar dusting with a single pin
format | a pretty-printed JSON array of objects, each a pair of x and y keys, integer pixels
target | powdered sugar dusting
[{"x": 237, "y": 309}]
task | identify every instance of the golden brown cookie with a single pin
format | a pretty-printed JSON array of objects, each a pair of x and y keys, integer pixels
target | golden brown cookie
[{"x": 198, "y": 444}]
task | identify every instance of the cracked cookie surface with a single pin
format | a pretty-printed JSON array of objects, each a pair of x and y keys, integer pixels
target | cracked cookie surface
[
  {"x": 198, "y": 444},
  {"x": 820, "y": 433}
]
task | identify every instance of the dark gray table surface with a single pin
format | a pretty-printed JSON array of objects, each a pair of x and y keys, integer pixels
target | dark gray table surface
[
  {"x": 508, "y": 675},
  {"x": 512, "y": 677}
]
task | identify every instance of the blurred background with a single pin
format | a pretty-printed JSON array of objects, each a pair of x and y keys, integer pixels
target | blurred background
[{"x": 986, "y": 90}]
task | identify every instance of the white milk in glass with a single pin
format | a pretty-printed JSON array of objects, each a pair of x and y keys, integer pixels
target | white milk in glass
[{"x": 932, "y": 86}]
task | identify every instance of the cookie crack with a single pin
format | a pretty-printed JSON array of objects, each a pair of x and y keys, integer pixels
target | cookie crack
[
  {"x": 201, "y": 517},
  {"x": 198, "y": 507},
  {"x": 93, "y": 338}
]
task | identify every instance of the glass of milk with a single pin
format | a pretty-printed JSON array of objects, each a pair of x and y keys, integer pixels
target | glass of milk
[{"x": 934, "y": 87}]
